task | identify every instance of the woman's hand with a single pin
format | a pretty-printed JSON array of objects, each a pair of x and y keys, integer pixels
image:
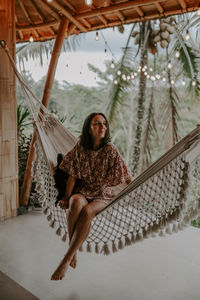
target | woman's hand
[{"x": 64, "y": 203}]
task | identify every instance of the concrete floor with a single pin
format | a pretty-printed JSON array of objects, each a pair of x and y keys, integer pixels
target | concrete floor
[{"x": 155, "y": 269}]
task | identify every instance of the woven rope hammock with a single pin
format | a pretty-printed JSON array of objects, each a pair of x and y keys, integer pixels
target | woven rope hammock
[{"x": 163, "y": 199}]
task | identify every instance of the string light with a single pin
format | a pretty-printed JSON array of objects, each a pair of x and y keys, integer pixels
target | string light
[
  {"x": 115, "y": 81},
  {"x": 153, "y": 78},
  {"x": 150, "y": 69},
  {"x": 177, "y": 54},
  {"x": 183, "y": 82},
  {"x": 88, "y": 2},
  {"x": 112, "y": 65},
  {"x": 172, "y": 81},
  {"x": 169, "y": 65},
  {"x": 31, "y": 38},
  {"x": 164, "y": 79},
  {"x": 158, "y": 76},
  {"x": 97, "y": 36},
  {"x": 187, "y": 37},
  {"x": 145, "y": 73},
  {"x": 119, "y": 72},
  {"x": 135, "y": 74},
  {"x": 128, "y": 77},
  {"x": 193, "y": 82}
]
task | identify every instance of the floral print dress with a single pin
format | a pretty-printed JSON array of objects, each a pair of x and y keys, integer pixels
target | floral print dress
[{"x": 99, "y": 171}]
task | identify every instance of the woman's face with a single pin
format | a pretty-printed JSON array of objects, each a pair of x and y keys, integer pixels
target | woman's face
[{"x": 98, "y": 127}]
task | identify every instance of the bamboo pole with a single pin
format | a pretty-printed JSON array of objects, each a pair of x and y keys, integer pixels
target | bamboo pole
[
  {"x": 27, "y": 183},
  {"x": 8, "y": 117}
]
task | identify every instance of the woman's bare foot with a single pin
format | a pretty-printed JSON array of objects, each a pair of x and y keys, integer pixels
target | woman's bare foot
[
  {"x": 73, "y": 262},
  {"x": 59, "y": 273}
]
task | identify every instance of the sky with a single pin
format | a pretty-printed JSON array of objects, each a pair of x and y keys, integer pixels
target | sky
[{"x": 72, "y": 66}]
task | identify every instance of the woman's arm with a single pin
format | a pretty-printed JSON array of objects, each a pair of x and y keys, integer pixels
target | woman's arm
[{"x": 64, "y": 203}]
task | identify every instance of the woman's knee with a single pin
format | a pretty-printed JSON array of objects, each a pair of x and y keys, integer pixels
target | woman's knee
[
  {"x": 86, "y": 213},
  {"x": 76, "y": 203}
]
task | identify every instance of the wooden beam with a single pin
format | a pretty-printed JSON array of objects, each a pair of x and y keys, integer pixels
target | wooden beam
[
  {"x": 182, "y": 4},
  {"x": 139, "y": 11},
  {"x": 65, "y": 12},
  {"x": 46, "y": 7},
  {"x": 27, "y": 183},
  {"x": 37, "y": 26},
  {"x": 159, "y": 7},
  {"x": 69, "y": 5},
  {"x": 84, "y": 21},
  {"x": 114, "y": 8},
  {"x": 145, "y": 18},
  {"x": 103, "y": 20},
  {"x": 25, "y": 12},
  {"x": 38, "y": 12},
  {"x": 120, "y": 15}
]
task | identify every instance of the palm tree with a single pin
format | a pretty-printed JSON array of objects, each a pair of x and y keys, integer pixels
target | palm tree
[{"x": 186, "y": 65}]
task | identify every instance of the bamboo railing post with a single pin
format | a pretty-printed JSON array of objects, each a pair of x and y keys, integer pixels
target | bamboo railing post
[{"x": 27, "y": 183}]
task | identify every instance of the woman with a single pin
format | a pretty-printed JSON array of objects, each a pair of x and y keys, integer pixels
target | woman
[{"x": 100, "y": 166}]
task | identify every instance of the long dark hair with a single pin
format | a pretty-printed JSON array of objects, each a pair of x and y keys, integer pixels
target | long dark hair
[{"x": 86, "y": 138}]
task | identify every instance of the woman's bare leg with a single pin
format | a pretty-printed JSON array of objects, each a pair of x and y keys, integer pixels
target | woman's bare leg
[
  {"x": 76, "y": 203},
  {"x": 80, "y": 234}
]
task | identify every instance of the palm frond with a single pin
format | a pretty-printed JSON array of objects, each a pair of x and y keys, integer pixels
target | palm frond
[
  {"x": 23, "y": 117},
  {"x": 118, "y": 90},
  {"x": 171, "y": 117},
  {"x": 43, "y": 50}
]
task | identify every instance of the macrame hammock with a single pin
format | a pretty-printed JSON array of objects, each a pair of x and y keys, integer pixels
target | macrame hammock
[{"x": 163, "y": 199}]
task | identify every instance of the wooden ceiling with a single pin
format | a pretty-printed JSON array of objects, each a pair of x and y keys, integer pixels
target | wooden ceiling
[{"x": 41, "y": 18}]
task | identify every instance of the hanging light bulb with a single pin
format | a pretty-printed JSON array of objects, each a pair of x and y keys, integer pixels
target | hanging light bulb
[
  {"x": 135, "y": 74},
  {"x": 153, "y": 78},
  {"x": 115, "y": 81},
  {"x": 148, "y": 76},
  {"x": 145, "y": 73},
  {"x": 119, "y": 72},
  {"x": 158, "y": 76},
  {"x": 169, "y": 65},
  {"x": 128, "y": 77},
  {"x": 88, "y": 2},
  {"x": 150, "y": 69},
  {"x": 193, "y": 82},
  {"x": 164, "y": 79},
  {"x": 183, "y": 82},
  {"x": 97, "y": 36},
  {"x": 177, "y": 54},
  {"x": 112, "y": 65},
  {"x": 31, "y": 38},
  {"x": 187, "y": 37},
  {"x": 124, "y": 77},
  {"x": 172, "y": 81}
]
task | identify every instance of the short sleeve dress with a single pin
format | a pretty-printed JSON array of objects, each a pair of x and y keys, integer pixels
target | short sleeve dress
[{"x": 99, "y": 170}]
